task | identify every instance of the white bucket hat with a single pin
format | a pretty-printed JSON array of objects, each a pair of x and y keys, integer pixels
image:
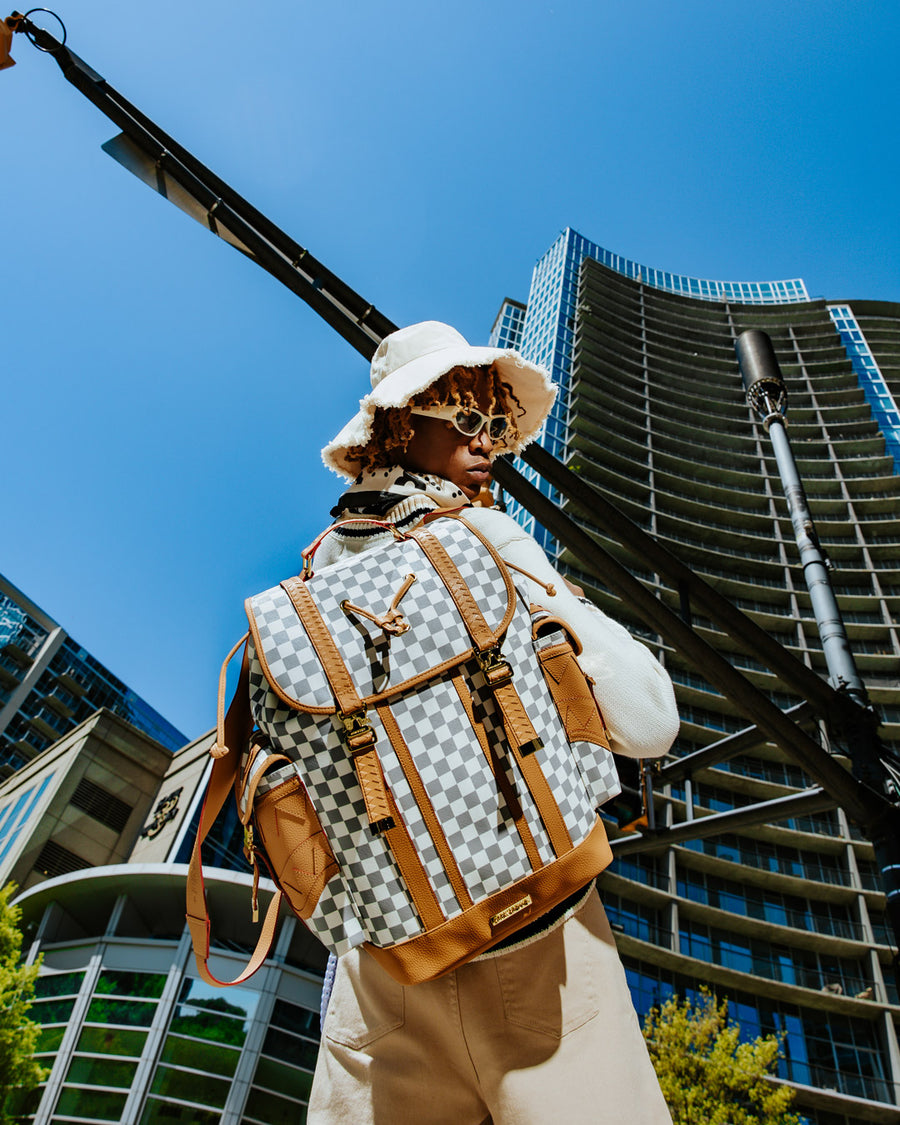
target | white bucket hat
[{"x": 411, "y": 359}]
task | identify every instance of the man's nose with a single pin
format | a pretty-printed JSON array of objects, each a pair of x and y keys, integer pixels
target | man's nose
[{"x": 483, "y": 440}]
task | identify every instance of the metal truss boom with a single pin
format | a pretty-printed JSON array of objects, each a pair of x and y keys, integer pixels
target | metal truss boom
[{"x": 862, "y": 803}]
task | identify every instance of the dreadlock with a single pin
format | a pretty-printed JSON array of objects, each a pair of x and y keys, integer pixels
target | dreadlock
[{"x": 392, "y": 427}]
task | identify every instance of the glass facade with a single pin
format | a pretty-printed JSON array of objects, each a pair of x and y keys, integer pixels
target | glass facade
[
  {"x": 871, "y": 379},
  {"x": 49, "y": 684},
  {"x": 841, "y": 1054},
  {"x": 507, "y": 330},
  {"x": 547, "y": 332},
  {"x": 14, "y": 816},
  {"x": 134, "y": 1036}
]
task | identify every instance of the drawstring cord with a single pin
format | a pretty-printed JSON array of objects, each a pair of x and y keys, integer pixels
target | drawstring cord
[{"x": 392, "y": 620}]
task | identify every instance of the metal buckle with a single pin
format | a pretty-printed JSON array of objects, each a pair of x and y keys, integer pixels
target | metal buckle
[
  {"x": 497, "y": 671},
  {"x": 359, "y": 733}
]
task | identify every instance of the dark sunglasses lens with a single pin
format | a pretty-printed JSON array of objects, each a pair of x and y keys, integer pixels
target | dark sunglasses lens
[
  {"x": 498, "y": 427},
  {"x": 468, "y": 422}
]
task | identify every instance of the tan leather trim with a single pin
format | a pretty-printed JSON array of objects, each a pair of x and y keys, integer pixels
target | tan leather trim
[
  {"x": 572, "y": 695},
  {"x": 463, "y": 937},
  {"x": 518, "y": 726},
  {"x": 421, "y": 891},
  {"x": 551, "y": 623},
  {"x": 501, "y": 565},
  {"x": 221, "y": 743},
  {"x": 537, "y": 784},
  {"x": 374, "y": 791},
  {"x": 458, "y": 589},
  {"x": 241, "y": 787},
  {"x": 420, "y": 794},
  {"x": 496, "y": 767},
  {"x": 332, "y": 662}
]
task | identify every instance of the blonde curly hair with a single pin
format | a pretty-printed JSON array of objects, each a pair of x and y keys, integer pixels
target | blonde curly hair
[{"x": 392, "y": 427}]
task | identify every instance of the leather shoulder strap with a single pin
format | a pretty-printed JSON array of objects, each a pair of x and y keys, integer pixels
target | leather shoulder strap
[{"x": 235, "y": 732}]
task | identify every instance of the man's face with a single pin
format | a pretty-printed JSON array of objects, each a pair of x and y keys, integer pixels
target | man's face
[{"x": 437, "y": 447}]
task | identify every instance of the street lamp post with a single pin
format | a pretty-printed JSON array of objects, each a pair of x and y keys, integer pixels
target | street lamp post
[{"x": 767, "y": 396}]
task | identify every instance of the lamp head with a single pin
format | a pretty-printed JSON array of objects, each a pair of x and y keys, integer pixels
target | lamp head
[{"x": 766, "y": 392}]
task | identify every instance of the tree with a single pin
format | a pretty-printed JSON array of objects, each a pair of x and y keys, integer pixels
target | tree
[
  {"x": 18, "y": 1034},
  {"x": 707, "y": 1074}
]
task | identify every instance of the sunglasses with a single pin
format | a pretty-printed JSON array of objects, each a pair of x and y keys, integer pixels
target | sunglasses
[{"x": 469, "y": 422}]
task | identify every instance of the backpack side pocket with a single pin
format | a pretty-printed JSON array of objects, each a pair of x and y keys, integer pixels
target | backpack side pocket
[
  {"x": 571, "y": 691},
  {"x": 298, "y": 851},
  {"x": 580, "y": 715}
]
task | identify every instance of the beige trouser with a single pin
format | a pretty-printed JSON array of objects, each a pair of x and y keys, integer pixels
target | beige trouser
[{"x": 541, "y": 1035}]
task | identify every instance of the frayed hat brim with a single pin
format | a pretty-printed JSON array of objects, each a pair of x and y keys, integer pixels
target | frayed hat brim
[{"x": 530, "y": 384}]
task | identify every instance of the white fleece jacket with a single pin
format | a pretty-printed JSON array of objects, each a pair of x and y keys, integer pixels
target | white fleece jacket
[{"x": 633, "y": 690}]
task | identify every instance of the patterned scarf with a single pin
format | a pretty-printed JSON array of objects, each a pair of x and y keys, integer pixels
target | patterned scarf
[{"x": 376, "y": 491}]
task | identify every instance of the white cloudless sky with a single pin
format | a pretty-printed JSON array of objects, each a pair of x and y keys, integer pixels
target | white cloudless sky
[{"x": 164, "y": 401}]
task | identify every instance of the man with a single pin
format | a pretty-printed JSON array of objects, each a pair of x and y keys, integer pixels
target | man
[{"x": 540, "y": 1028}]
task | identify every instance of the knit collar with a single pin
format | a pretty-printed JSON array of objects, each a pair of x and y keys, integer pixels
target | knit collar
[{"x": 377, "y": 491}]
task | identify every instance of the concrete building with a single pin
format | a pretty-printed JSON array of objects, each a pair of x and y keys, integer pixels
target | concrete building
[
  {"x": 49, "y": 684},
  {"x": 97, "y": 830},
  {"x": 786, "y": 920}
]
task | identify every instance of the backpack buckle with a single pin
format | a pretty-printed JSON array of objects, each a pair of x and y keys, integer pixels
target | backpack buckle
[
  {"x": 359, "y": 734},
  {"x": 497, "y": 671}
]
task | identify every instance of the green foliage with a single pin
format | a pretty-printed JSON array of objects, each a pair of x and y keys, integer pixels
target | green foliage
[
  {"x": 18, "y": 1035},
  {"x": 706, "y": 1074}
]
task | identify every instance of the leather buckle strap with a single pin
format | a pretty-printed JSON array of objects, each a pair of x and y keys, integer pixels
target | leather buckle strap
[{"x": 360, "y": 737}]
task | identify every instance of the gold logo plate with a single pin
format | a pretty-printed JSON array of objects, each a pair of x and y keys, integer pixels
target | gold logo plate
[{"x": 509, "y": 911}]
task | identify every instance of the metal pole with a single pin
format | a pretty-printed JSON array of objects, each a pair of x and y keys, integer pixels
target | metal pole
[{"x": 767, "y": 396}]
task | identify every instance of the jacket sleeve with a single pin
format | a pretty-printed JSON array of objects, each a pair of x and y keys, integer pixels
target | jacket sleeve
[{"x": 634, "y": 692}]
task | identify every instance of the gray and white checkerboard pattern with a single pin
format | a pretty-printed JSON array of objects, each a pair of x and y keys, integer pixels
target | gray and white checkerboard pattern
[
  {"x": 598, "y": 771},
  {"x": 292, "y": 662},
  {"x": 413, "y": 819},
  {"x": 368, "y": 901},
  {"x": 473, "y": 814},
  {"x": 381, "y": 904}
]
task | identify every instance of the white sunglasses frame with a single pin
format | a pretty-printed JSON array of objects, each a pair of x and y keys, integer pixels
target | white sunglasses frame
[{"x": 449, "y": 413}]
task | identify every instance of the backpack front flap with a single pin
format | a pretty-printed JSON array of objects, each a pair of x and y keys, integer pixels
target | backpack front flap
[{"x": 380, "y": 663}]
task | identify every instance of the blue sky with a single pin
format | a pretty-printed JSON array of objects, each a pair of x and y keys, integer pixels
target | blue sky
[{"x": 164, "y": 400}]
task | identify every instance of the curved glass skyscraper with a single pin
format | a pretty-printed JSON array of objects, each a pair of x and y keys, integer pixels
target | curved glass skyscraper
[{"x": 787, "y": 919}]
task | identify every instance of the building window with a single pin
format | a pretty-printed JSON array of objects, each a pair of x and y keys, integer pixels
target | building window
[
  {"x": 16, "y": 815},
  {"x": 284, "y": 1073},
  {"x": 200, "y": 1053}
]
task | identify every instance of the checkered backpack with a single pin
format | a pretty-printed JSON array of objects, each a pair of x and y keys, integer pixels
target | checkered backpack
[{"x": 422, "y": 758}]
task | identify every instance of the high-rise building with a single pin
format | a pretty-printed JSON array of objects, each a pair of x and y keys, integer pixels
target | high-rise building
[
  {"x": 49, "y": 684},
  {"x": 787, "y": 920}
]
